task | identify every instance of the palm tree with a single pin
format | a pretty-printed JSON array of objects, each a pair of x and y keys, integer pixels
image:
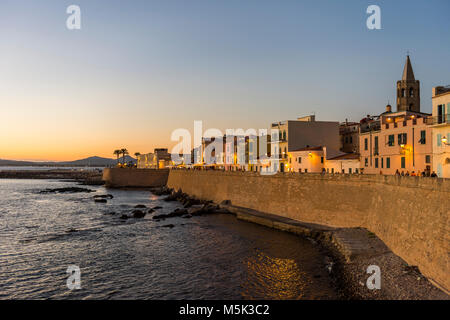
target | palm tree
[
  {"x": 137, "y": 154},
  {"x": 117, "y": 154},
  {"x": 124, "y": 152}
]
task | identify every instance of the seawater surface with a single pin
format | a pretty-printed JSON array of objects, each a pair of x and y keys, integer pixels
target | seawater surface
[{"x": 207, "y": 257}]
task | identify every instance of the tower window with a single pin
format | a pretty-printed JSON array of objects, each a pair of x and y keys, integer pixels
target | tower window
[
  {"x": 403, "y": 93},
  {"x": 411, "y": 92}
]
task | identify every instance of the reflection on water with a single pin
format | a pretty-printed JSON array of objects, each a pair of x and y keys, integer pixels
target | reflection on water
[
  {"x": 282, "y": 276},
  {"x": 209, "y": 257}
]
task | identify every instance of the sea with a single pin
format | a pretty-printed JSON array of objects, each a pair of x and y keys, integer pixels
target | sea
[{"x": 67, "y": 246}]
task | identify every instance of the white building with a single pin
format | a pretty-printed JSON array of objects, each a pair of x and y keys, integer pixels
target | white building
[{"x": 441, "y": 131}]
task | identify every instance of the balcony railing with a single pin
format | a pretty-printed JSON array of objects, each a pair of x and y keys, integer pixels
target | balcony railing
[{"x": 443, "y": 119}]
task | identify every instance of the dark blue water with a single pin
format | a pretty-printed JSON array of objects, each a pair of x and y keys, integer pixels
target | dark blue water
[{"x": 208, "y": 257}]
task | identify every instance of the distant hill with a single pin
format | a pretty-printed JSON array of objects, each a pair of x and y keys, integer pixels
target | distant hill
[{"x": 91, "y": 162}]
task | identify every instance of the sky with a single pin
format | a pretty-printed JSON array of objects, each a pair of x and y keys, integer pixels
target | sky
[{"x": 137, "y": 70}]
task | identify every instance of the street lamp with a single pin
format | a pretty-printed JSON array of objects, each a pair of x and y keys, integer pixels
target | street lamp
[{"x": 444, "y": 140}]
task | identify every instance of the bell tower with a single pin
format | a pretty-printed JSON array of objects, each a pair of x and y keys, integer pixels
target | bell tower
[{"x": 408, "y": 90}]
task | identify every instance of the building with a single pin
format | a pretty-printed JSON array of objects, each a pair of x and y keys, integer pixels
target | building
[
  {"x": 307, "y": 160},
  {"x": 159, "y": 159},
  {"x": 302, "y": 133},
  {"x": 346, "y": 163},
  {"x": 441, "y": 131},
  {"x": 349, "y": 137},
  {"x": 398, "y": 141}
]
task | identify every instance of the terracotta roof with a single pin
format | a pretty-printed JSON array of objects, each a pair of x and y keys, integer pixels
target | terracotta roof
[
  {"x": 348, "y": 156},
  {"x": 309, "y": 149}
]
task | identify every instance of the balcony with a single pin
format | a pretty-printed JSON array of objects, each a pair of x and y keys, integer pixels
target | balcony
[{"x": 440, "y": 120}]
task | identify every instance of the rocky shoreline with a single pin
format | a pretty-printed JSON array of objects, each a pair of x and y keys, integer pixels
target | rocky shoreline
[{"x": 352, "y": 250}]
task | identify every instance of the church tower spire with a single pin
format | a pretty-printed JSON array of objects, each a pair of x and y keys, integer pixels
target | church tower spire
[{"x": 408, "y": 90}]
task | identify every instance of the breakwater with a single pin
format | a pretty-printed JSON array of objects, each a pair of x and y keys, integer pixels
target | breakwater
[
  {"x": 92, "y": 176},
  {"x": 409, "y": 214}
]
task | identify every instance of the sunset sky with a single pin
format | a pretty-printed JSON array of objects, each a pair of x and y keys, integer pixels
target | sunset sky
[{"x": 137, "y": 70}]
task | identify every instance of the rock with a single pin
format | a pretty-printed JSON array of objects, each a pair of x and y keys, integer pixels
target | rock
[
  {"x": 124, "y": 217},
  {"x": 156, "y": 208},
  {"x": 175, "y": 213},
  {"x": 103, "y": 196},
  {"x": 138, "y": 214},
  {"x": 66, "y": 190},
  {"x": 161, "y": 191},
  {"x": 187, "y": 216},
  {"x": 226, "y": 203},
  {"x": 112, "y": 213},
  {"x": 168, "y": 226},
  {"x": 175, "y": 196},
  {"x": 150, "y": 210},
  {"x": 140, "y": 206},
  {"x": 72, "y": 230},
  {"x": 100, "y": 200}
]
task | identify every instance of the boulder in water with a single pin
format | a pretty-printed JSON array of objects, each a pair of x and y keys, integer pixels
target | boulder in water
[{"x": 138, "y": 214}]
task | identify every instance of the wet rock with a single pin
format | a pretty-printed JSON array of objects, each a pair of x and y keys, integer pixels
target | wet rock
[
  {"x": 138, "y": 214},
  {"x": 168, "y": 226},
  {"x": 140, "y": 206},
  {"x": 175, "y": 213},
  {"x": 124, "y": 217},
  {"x": 226, "y": 203},
  {"x": 66, "y": 190},
  {"x": 112, "y": 213},
  {"x": 156, "y": 208},
  {"x": 187, "y": 216},
  {"x": 72, "y": 230},
  {"x": 103, "y": 196},
  {"x": 161, "y": 191},
  {"x": 100, "y": 200},
  {"x": 151, "y": 210}
]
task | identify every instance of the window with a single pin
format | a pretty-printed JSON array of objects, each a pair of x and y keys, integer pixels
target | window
[
  {"x": 403, "y": 163},
  {"x": 356, "y": 170},
  {"x": 350, "y": 170},
  {"x": 391, "y": 140},
  {"x": 411, "y": 92},
  {"x": 284, "y": 135},
  {"x": 351, "y": 139},
  {"x": 321, "y": 159},
  {"x": 382, "y": 162},
  {"x": 306, "y": 170},
  {"x": 402, "y": 138},
  {"x": 366, "y": 162},
  {"x": 423, "y": 137},
  {"x": 376, "y": 146},
  {"x": 427, "y": 158},
  {"x": 403, "y": 93},
  {"x": 332, "y": 170},
  {"x": 366, "y": 144},
  {"x": 376, "y": 162},
  {"x": 388, "y": 163},
  {"x": 299, "y": 159}
]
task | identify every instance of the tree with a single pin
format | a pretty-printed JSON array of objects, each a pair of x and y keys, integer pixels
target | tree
[
  {"x": 117, "y": 153},
  {"x": 137, "y": 154},
  {"x": 124, "y": 153}
]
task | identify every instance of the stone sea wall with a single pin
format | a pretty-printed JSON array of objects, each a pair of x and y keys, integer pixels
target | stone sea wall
[
  {"x": 131, "y": 177},
  {"x": 410, "y": 214}
]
